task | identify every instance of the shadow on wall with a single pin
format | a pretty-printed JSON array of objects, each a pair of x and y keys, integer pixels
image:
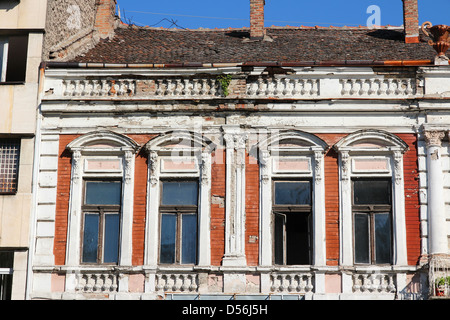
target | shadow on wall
[{"x": 9, "y": 5}]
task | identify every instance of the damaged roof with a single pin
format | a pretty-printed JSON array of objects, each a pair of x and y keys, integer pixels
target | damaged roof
[{"x": 283, "y": 45}]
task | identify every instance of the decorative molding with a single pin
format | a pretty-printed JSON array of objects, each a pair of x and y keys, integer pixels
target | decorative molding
[
  {"x": 154, "y": 172},
  {"x": 398, "y": 172},
  {"x": 345, "y": 166},
  {"x": 76, "y": 165},
  {"x": 318, "y": 156},
  {"x": 434, "y": 138}
]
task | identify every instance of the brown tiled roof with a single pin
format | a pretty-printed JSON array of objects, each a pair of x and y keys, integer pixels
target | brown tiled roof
[{"x": 142, "y": 45}]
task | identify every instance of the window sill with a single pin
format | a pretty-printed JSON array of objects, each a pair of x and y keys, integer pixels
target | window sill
[{"x": 12, "y": 83}]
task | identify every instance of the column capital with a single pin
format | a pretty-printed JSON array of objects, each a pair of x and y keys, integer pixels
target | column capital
[{"x": 434, "y": 137}]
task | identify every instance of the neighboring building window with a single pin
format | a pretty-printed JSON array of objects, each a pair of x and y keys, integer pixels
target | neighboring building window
[
  {"x": 292, "y": 222},
  {"x": 13, "y": 58},
  {"x": 372, "y": 200},
  {"x": 6, "y": 274},
  {"x": 179, "y": 209},
  {"x": 9, "y": 165},
  {"x": 101, "y": 227}
]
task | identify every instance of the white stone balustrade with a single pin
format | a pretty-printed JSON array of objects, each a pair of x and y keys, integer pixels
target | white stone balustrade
[
  {"x": 283, "y": 87},
  {"x": 97, "y": 282},
  {"x": 378, "y": 87},
  {"x": 182, "y": 282},
  {"x": 188, "y": 87},
  {"x": 98, "y": 88},
  {"x": 291, "y": 282},
  {"x": 380, "y": 283}
]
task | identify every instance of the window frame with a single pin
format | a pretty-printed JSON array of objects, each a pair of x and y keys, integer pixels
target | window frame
[
  {"x": 371, "y": 210},
  {"x": 291, "y": 210},
  {"x": 17, "y": 59},
  {"x": 179, "y": 211},
  {"x": 18, "y": 145},
  {"x": 372, "y": 144},
  {"x": 102, "y": 211}
]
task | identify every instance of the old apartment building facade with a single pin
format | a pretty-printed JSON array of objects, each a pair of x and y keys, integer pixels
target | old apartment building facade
[
  {"x": 271, "y": 163},
  {"x": 22, "y": 25}
]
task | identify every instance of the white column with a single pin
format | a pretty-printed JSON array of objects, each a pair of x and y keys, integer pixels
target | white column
[
  {"x": 399, "y": 229},
  {"x": 438, "y": 242},
  {"x": 74, "y": 222},
  {"x": 235, "y": 198},
  {"x": 152, "y": 221},
  {"x": 319, "y": 245},
  {"x": 204, "y": 237},
  {"x": 126, "y": 247},
  {"x": 265, "y": 202},
  {"x": 346, "y": 226}
]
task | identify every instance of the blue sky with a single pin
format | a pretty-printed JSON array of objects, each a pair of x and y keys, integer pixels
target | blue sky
[{"x": 195, "y": 14}]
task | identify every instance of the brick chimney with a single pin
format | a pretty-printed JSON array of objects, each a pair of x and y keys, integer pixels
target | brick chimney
[
  {"x": 257, "y": 19},
  {"x": 105, "y": 18},
  {"x": 411, "y": 21}
]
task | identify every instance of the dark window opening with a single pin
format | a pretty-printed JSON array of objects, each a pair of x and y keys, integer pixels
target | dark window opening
[
  {"x": 292, "y": 223},
  {"x": 13, "y": 58},
  {"x": 6, "y": 274}
]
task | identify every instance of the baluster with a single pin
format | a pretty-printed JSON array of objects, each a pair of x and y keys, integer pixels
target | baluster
[
  {"x": 194, "y": 87},
  {"x": 314, "y": 87}
]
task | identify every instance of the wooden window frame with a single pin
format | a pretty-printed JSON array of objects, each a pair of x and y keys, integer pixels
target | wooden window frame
[
  {"x": 102, "y": 211},
  {"x": 291, "y": 209},
  {"x": 372, "y": 210},
  {"x": 179, "y": 211}
]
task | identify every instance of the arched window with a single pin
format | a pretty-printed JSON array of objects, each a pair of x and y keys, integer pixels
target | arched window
[
  {"x": 292, "y": 210},
  {"x": 101, "y": 199},
  {"x": 372, "y": 214},
  {"x": 178, "y": 214}
]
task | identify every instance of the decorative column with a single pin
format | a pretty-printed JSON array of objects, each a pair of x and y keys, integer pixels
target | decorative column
[
  {"x": 346, "y": 226},
  {"x": 235, "y": 198},
  {"x": 437, "y": 233}
]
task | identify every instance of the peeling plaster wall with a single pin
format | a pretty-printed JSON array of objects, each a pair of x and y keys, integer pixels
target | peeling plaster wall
[{"x": 68, "y": 21}]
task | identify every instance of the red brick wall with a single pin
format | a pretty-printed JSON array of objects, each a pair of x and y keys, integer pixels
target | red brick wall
[
  {"x": 62, "y": 199},
  {"x": 411, "y": 21},
  {"x": 252, "y": 210},
  {"x": 256, "y": 19},
  {"x": 412, "y": 206},
  {"x": 331, "y": 171},
  {"x": 218, "y": 178}
]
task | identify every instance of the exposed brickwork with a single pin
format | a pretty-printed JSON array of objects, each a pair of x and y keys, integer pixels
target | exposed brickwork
[
  {"x": 257, "y": 19},
  {"x": 105, "y": 17},
  {"x": 252, "y": 211},
  {"x": 411, "y": 21},
  {"x": 331, "y": 171},
  {"x": 218, "y": 178},
  {"x": 62, "y": 199},
  {"x": 140, "y": 201},
  {"x": 412, "y": 207}
]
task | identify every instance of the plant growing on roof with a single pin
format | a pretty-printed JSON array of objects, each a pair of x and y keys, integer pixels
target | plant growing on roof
[{"x": 224, "y": 80}]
